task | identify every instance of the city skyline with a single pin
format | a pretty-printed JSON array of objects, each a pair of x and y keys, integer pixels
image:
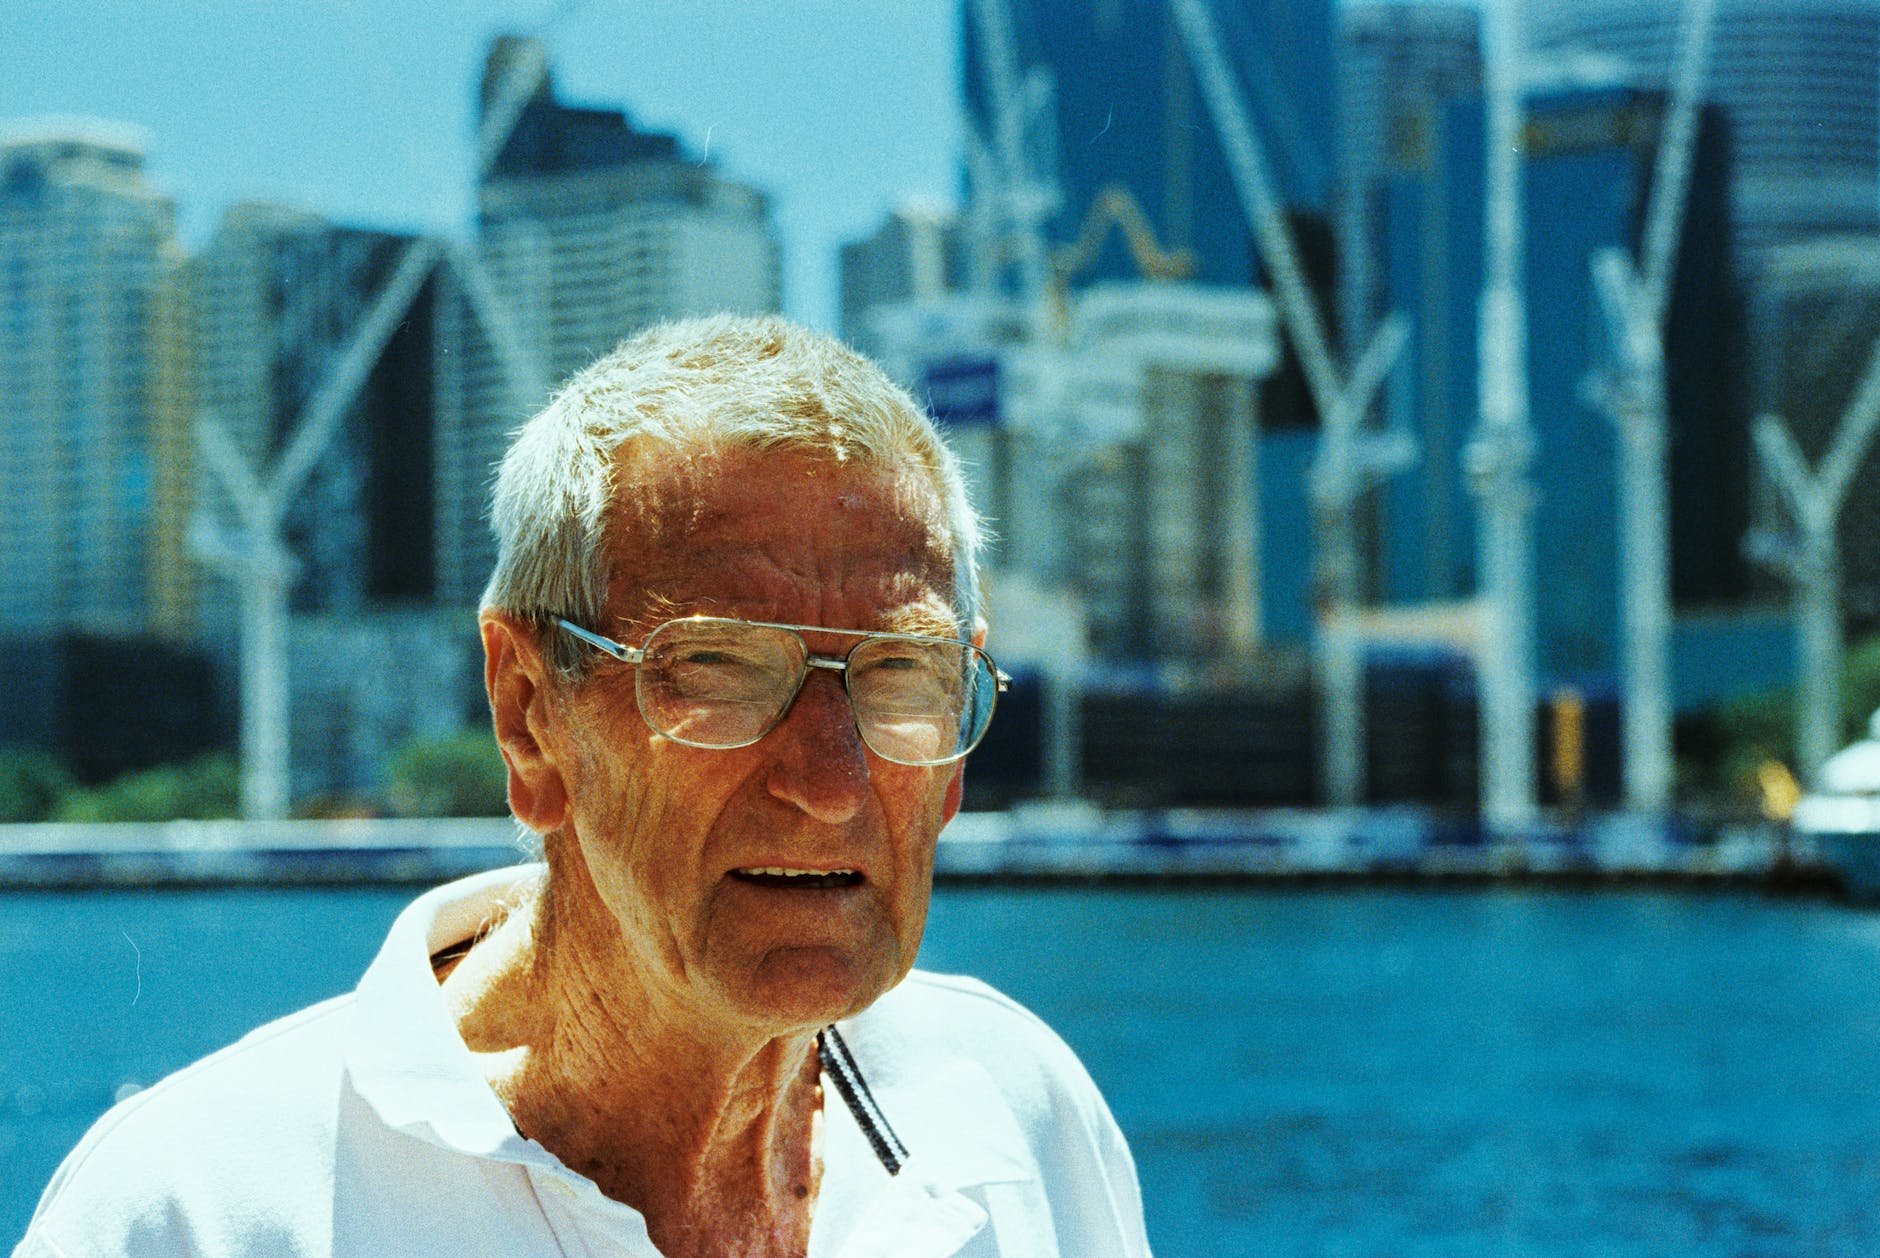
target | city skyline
[{"x": 756, "y": 91}]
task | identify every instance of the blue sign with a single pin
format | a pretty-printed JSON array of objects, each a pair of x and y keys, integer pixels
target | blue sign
[{"x": 962, "y": 392}]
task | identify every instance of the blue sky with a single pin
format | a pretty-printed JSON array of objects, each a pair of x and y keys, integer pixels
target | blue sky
[{"x": 361, "y": 109}]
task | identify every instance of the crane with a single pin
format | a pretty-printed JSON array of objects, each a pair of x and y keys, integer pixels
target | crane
[
  {"x": 1116, "y": 205},
  {"x": 1025, "y": 195},
  {"x": 1634, "y": 299},
  {"x": 1349, "y": 462}
]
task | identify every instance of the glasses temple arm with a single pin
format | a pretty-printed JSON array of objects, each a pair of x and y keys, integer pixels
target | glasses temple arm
[{"x": 607, "y": 646}]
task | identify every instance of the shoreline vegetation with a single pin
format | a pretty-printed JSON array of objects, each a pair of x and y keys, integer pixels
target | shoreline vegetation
[
  {"x": 1735, "y": 762},
  {"x": 1068, "y": 844}
]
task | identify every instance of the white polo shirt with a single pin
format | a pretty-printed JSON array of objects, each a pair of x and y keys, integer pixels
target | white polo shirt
[{"x": 361, "y": 1126}]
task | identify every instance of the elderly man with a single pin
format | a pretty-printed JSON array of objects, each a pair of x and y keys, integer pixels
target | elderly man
[{"x": 733, "y": 654}]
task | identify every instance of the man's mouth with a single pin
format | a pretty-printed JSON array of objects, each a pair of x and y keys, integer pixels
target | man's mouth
[{"x": 797, "y": 879}]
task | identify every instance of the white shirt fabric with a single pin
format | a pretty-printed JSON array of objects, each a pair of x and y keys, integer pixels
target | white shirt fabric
[{"x": 361, "y": 1126}]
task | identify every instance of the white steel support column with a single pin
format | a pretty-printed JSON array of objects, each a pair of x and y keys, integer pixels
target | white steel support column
[
  {"x": 1813, "y": 501},
  {"x": 1499, "y": 456},
  {"x": 264, "y": 716},
  {"x": 1340, "y": 654},
  {"x": 1632, "y": 390},
  {"x": 1821, "y": 650},
  {"x": 1645, "y": 565},
  {"x": 254, "y": 553}
]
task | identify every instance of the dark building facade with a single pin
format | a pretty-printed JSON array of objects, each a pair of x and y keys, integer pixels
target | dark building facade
[
  {"x": 106, "y": 704},
  {"x": 1128, "y": 115},
  {"x": 1142, "y": 177},
  {"x": 1586, "y": 182},
  {"x": 280, "y": 295}
]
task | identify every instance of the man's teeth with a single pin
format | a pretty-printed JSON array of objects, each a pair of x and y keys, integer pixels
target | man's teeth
[{"x": 799, "y": 879}]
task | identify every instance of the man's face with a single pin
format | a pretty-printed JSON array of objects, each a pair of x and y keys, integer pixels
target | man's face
[{"x": 671, "y": 835}]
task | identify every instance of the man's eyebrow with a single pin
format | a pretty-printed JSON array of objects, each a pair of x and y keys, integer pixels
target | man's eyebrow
[
  {"x": 656, "y": 609},
  {"x": 922, "y": 620}
]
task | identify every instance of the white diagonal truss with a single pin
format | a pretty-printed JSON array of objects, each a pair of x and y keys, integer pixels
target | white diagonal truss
[
  {"x": 1813, "y": 500},
  {"x": 256, "y": 556},
  {"x": 1345, "y": 467},
  {"x": 254, "y": 552},
  {"x": 522, "y": 78},
  {"x": 1026, "y": 196}
]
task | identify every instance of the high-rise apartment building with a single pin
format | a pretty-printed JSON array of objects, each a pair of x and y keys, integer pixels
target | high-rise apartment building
[
  {"x": 86, "y": 262},
  {"x": 588, "y": 230}
]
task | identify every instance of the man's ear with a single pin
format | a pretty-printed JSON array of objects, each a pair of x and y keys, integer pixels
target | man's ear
[{"x": 516, "y": 677}]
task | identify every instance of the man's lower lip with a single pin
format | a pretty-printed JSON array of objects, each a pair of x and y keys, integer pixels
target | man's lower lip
[{"x": 799, "y": 882}]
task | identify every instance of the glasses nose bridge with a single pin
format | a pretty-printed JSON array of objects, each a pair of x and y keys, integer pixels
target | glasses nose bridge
[{"x": 827, "y": 663}]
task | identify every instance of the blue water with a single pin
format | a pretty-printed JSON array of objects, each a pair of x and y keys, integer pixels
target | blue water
[{"x": 1327, "y": 1072}]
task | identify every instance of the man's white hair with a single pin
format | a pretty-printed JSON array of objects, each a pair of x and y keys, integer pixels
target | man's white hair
[{"x": 757, "y": 383}]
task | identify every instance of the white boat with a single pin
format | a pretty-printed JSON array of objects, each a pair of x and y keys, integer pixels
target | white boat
[{"x": 1842, "y": 814}]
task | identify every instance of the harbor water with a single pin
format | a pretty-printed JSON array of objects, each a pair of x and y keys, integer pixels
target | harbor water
[{"x": 1363, "y": 1070}]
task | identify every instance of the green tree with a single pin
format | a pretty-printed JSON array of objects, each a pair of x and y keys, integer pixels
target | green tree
[
  {"x": 1860, "y": 688},
  {"x": 198, "y": 790},
  {"x": 32, "y": 782},
  {"x": 1751, "y": 729},
  {"x": 452, "y": 775}
]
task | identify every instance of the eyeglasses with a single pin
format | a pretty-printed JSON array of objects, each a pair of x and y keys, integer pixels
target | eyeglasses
[{"x": 706, "y": 681}]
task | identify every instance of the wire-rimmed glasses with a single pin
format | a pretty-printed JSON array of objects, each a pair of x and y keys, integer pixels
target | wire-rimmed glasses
[{"x": 710, "y": 681}]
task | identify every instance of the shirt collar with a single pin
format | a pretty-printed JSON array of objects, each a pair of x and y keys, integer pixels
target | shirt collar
[
  {"x": 404, "y": 1056},
  {"x": 947, "y": 1109},
  {"x": 961, "y": 1137},
  {"x": 405, "y": 1059}
]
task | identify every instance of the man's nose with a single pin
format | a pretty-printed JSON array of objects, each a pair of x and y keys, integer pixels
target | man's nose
[{"x": 818, "y": 762}]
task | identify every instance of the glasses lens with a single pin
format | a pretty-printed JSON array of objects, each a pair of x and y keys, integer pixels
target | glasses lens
[
  {"x": 920, "y": 701},
  {"x": 718, "y": 683}
]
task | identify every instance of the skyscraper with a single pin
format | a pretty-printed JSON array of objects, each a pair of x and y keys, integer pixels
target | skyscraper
[
  {"x": 588, "y": 230},
  {"x": 1398, "y": 65},
  {"x": 1126, "y": 116},
  {"x": 1800, "y": 81},
  {"x": 1588, "y": 161},
  {"x": 85, "y": 257}
]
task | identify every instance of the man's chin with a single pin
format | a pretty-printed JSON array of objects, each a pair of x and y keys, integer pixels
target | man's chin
[{"x": 803, "y": 987}]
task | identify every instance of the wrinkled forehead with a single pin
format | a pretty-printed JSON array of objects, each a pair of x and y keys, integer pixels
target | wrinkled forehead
[{"x": 694, "y": 523}]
